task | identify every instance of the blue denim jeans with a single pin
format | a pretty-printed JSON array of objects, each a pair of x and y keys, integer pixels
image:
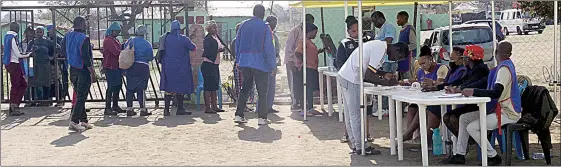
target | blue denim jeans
[{"x": 351, "y": 102}]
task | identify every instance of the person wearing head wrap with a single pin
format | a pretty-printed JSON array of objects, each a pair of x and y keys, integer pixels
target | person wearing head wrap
[
  {"x": 78, "y": 50},
  {"x": 43, "y": 74},
  {"x": 139, "y": 73},
  {"x": 213, "y": 45},
  {"x": 176, "y": 77},
  {"x": 476, "y": 77},
  {"x": 312, "y": 77},
  {"x": 113, "y": 74},
  {"x": 13, "y": 63}
]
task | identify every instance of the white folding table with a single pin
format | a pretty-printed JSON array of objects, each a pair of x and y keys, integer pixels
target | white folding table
[
  {"x": 424, "y": 99},
  {"x": 370, "y": 89},
  {"x": 329, "y": 73}
]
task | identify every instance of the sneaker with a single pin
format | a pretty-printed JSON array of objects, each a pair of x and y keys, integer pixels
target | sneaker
[
  {"x": 144, "y": 112},
  {"x": 368, "y": 151},
  {"x": 118, "y": 109},
  {"x": 262, "y": 121},
  {"x": 75, "y": 127},
  {"x": 385, "y": 112},
  {"x": 296, "y": 108},
  {"x": 86, "y": 125},
  {"x": 240, "y": 120},
  {"x": 130, "y": 112},
  {"x": 59, "y": 104},
  {"x": 109, "y": 112},
  {"x": 369, "y": 138},
  {"x": 457, "y": 159}
]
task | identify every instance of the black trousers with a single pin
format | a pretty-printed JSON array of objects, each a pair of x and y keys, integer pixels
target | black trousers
[
  {"x": 261, "y": 80},
  {"x": 81, "y": 81}
]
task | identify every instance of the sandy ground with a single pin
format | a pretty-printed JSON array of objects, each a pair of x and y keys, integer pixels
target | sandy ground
[{"x": 42, "y": 138}]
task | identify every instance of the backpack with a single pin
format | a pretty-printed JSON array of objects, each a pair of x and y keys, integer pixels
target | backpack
[{"x": 126, "y": 57}]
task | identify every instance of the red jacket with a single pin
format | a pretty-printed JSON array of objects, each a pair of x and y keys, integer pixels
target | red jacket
[{"x": 111, "y": 51}]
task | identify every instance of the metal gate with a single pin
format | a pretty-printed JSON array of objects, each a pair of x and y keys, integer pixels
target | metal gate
[{"x": 98, "y": 16}]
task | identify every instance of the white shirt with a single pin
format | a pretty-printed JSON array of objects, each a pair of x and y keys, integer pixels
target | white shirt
[
  {"x": 373, "y": 55},
  {"x": 16, "y": 54}
]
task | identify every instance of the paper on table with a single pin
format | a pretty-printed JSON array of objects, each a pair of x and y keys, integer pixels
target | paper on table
[{"x": 450, "y": 95}]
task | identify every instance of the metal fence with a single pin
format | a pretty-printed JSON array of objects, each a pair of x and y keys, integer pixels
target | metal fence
[
  {"x": 155, "y": 16},
  {"x": 534, "y": 54}
]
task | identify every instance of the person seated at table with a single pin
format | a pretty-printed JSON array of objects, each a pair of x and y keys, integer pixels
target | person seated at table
[
  {"x": 374, "y": 53},
  {"x": 504, "y": 107},
  {"x": 458, "y": 69},
  {"x": 312, "y": 75},
  {"x": 430, "y": 75},
  {"x": 476, "y": 77}
]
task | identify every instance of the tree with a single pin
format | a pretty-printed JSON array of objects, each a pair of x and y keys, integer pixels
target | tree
[
  {"x": 541, "y": 8},
  {"x": 126, "y": 15},
  {"x": 13, "y": 16}
]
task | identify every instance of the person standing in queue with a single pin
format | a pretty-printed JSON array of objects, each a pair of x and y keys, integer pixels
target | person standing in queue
[
  {"x": 78, "y": 51},
  {"x": 113, "y": 74},
  {"x": 62, "y": 64},
  {"x": 213, "y": 46},
  {"x": 312, "y": 79},
  {"x": 238, "y": 75},
  {"x": 294, "y": 36},
  {"x": 43, "y": 52},
  {"x": 139, "y": 73},
  {"x": 255, "y": 55},
  {"x": 176, "y": 77},
  {"x": 11, "y": 60},
  {"x": 272, "y": 21}
]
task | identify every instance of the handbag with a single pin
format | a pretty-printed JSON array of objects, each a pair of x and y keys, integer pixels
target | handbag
[{"x": 126, "y": 57}]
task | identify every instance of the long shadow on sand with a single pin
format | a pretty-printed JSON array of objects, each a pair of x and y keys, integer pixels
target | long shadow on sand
[
  {"x": 69, "y": 140},
  {"x": 263, "y": 134}
]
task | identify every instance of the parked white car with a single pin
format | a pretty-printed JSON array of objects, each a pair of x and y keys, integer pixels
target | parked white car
[
  {"x": 516, "y": 21},
  {"x": 462, "y": 35}
]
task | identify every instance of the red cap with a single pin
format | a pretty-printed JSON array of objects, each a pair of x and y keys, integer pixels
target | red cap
[{"x": 474, "y": 52}]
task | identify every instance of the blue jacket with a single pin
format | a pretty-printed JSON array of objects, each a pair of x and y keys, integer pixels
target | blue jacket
[
  {"x": 143, "y": 51},
  {"x": 254, "y": 46},
  {"x": 8, "y": 48},
  {"x": 78, "y": 49}
]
